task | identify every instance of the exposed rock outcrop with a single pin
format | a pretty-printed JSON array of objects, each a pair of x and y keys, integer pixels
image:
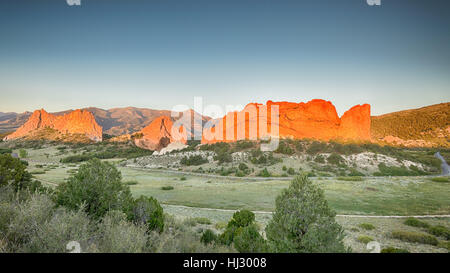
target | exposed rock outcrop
[
  {"x": 159, "y": 134},
  {"x": 316, "y": 119},
  {"x": 78, "y": 122}
]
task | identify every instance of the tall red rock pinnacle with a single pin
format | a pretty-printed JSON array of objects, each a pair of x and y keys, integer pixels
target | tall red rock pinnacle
[
  {"x": 316, "y": 119},
  {"x": 158, "y": 134},
  {"x": 76, "y": 122}
]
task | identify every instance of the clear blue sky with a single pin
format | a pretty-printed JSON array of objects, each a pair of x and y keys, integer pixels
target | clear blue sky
[{"x": 160, "y": 53}]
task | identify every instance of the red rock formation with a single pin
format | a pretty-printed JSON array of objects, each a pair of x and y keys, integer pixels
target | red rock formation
[
  {"x": 158, "y": 134},
  {"x": 76, "y": 122},
  {"x": 316, "y": 119}
]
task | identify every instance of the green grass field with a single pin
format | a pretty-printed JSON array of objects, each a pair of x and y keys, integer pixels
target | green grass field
[{"x": 372, "y": 196}]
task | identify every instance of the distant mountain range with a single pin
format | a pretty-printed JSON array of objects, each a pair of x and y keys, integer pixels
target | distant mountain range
[
  {"x": 115, "y": 121},
  {"x": 424, "y": 127}
]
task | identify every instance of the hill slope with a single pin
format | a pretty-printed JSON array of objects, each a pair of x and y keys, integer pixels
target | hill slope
[{"x": 427, "y": 126}]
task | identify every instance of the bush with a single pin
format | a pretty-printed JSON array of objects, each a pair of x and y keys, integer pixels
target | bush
[
  {"x": 167, "y": 188},
  {"x": 415, "y": 237},
  {"x": 264, "y": 173},
  {"x": 440, "y": 231},
  {"x": 365, "y": 239},
  {"x": 118, "y": 235},
  {"x": 13, "y": 171},
  {"x": 98, "y": 185},
  {"x": 303, "y": 222},
  {"x": 291, "y": 171},
  {"x": 335, "y": 159},
  {"x": 319, "y": 159},
  {"x": 208, "y": 237},
  {"x": 242, "y": 218},
  {"x": 366, "y": 226},
  {"x": 243, "y": 167},
  {"x": 23, "y": 153},
  {"x": 194, "y": 160},
  {"x": 147, "y": 211},
  {"x": 284, "y": 148},
  {"x": 63, "y": 227},
  {"x": 394, "y": 250},
  {"x": 414, "y": 222},
  {"x": 248, "y": 240}
]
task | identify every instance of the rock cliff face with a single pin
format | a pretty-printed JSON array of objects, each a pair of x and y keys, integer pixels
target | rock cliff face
[
  {"x": 78, "y": 122},
  {"x": 316, "y": 119},
  {"x": 159, "y": 134}
]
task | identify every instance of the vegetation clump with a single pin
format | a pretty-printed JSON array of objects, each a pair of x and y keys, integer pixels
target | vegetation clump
[
  {"x": 415, "y": 237},
  {"x": 303, "y": 221},
  {"x": 194, "y": 160},
  {"x": 367, "y": 226},
  {"x": 414, "y": 222}
]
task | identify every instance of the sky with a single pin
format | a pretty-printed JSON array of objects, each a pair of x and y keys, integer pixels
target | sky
[{"x": 161, "y": 53}]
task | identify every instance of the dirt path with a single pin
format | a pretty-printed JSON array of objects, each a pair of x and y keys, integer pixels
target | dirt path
[{"x": 338, "y": 215}]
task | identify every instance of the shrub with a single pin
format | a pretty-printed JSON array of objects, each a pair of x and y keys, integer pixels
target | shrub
[
  {"x": 414, "y": 222},
  {"x": 365, "y": 239},
  {"x": 284, "y": 148},
  {"x": 366, "y": 226},
  {"x": 223, "y": 156},
  {"x": 167, "y": 188},
  {"x": 264, "y": 173},
  {"x": 394, "y": 250},
  {"x": 194, "y": 160},
  {"x": 13, "y": 170},
  {"x": 183, "y": 178},
  {"x": 208, "y": 237},
  {"x": 319, "y": 159},
  {"x": 29, "y": 217},
  {"x": 118, "y": 235},
  {"x": 23, "y": 153},
  {"x": 242, "y": 218},
  {"x": 98, "y": 185},
  {"x": 291, "y": 171},
  {"x": 64, "y": 226},
  {"x": 335, "y": 159},
  {"x": 440, "y": 231},
  {"x": 415, "y": 237},
  {"x": 303, "y": 221},
  {"x": 316, "y": 147},
  {"x": 243, "y": 167},
  {"x": 248, "y": 240},
  {"x": 147, "y": 211},
  {"x": 130, "y": 183}
]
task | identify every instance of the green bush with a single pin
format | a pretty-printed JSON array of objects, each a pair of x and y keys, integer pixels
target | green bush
[
  {"x": 284, "y": 148},
  {"x": 167, "y": 188},
  {"x": 394, "y": 250},
  {"x": 183, "y": 178},
  {"x": 264, "y": 173},
  {"x": 440, "y": 231},
  {"x": 194, "y": 160},
  {"x": 335, "y": 159},
  {"x": 147, "y": 211},
  {"x": 319, "y": 159},
  {"x": 415, "y": 237},
  {"x": 13, "y": 171},
  {"x": 303, "y": 222},
  {"x": 242, "y": 218},
  {"x": 414, "y": 222},
  {"x": 243, "y": 167},
  {"x": 365, "y": 239},
  {"x": 366, "y": 226},
  {"x": 208, "y": 237},
  {"x": 248, "y": 240},
  {"x": 98, "y": 185},
  {"x": 23, "y": 153},
  {"x": 291, "y": 171}
]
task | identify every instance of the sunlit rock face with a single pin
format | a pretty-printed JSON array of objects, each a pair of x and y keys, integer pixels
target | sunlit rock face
[
  {"x": 80, "y": 122},
  {"x": 159, "y": 134},
  {"x": 316, "y": 119}
]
